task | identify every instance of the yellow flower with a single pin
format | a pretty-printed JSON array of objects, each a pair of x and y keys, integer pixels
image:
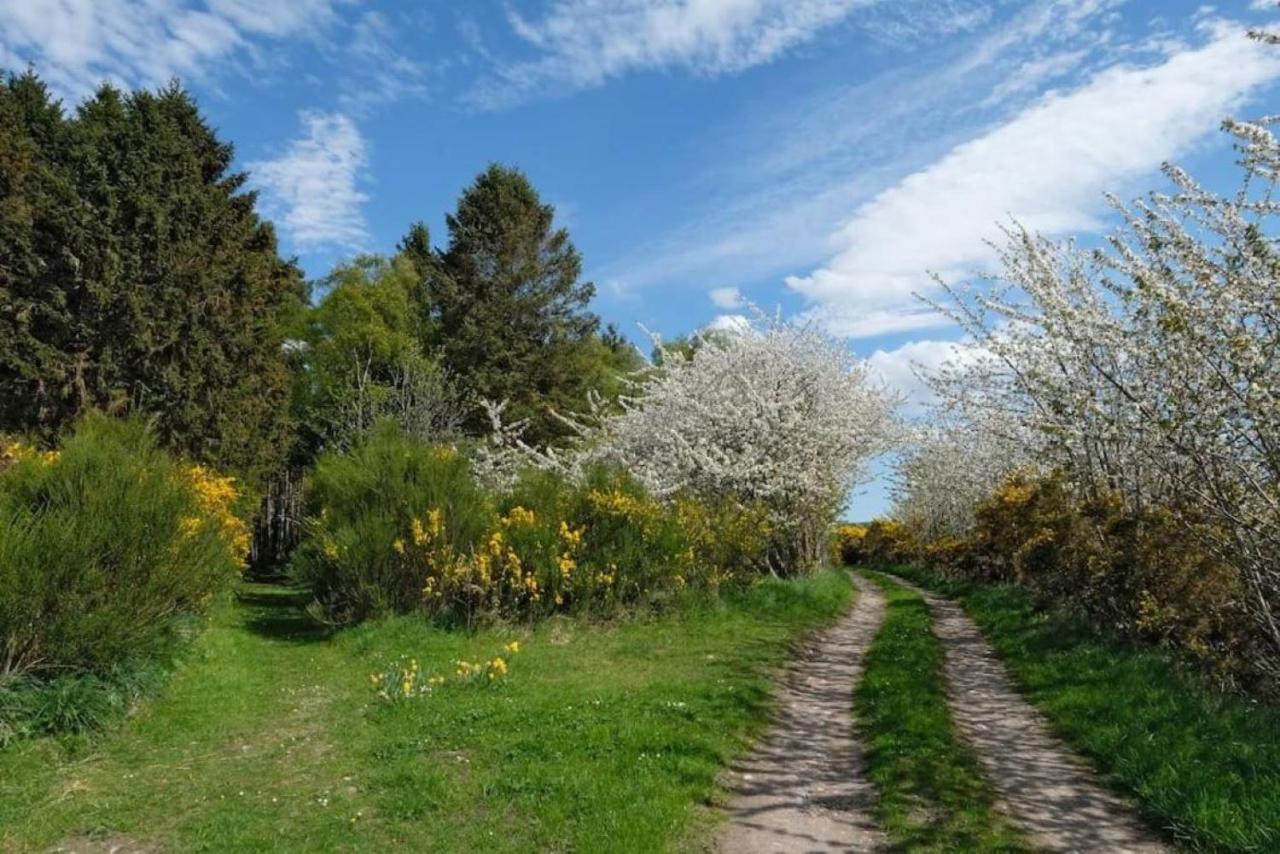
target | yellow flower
[
  {"x": 513, "y": 647},
  {"x": 519, "y": 516},
  {"x": 567, "y": 565},
  {"x": 398, "y": 545},
  {"x": 498, "y": 666},
  {"x": 419, "y": 535}
]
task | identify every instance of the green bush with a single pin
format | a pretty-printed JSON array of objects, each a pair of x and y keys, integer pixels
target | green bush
[
  {"x": 363, "y": 510},
  {"x": 399, "y": 526},
  {"x": 104, "y": 546},
  {"x": 108, "y": 548}
]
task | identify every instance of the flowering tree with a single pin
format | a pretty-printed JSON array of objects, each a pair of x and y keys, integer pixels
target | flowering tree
[
  {"x": 1149, "y": 369},
  {"x": 775, "y": 414}
]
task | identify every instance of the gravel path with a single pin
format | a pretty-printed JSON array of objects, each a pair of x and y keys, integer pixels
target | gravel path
[
  {"x": 802, "y": 787},
  {"x": 1046, "y": 791}
]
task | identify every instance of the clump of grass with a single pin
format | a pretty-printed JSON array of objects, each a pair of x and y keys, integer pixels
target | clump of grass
[
  {"x": 932, "y": 793},
  {"x": 1202, "y": 763}
]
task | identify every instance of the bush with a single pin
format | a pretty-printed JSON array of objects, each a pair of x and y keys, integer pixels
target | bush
[
  {"x": 847, "y": 544},
  {"x": 107, "y": 549},
  {"x": 399, "y": 526},
  {"x": 1145, "y": 575},
  {"x": 371, "y": 513}
]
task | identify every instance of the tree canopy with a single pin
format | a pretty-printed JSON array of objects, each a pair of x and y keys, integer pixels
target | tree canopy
[{"x": 135, "y": 275}]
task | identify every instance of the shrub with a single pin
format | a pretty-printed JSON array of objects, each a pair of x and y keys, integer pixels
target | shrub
[
  {"x": 105, "y": 547},
  {"x": 398, "y": 526},
  {"x": 1145, "y": 575},
  {"x": 375, "y": 513},
  {"x": 847, "y": 544}
]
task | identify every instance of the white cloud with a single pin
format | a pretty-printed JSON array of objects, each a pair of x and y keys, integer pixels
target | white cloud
[
  {"x": 376, "y": 71},
  {"x": 76, "y": 44},
  {"x": 726, "y": 297},
  {"x": 780, "y": 179},
  {"x": 583, "y": 43},
  {"x": 312, "y": 189},
  {"x": 1047, "y": 167},
  {"x": 899, "y": 369},
  {"x": 734, "y": 323}
]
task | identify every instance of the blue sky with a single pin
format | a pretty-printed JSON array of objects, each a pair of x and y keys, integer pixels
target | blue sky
[{"x": 820, "y": 155}]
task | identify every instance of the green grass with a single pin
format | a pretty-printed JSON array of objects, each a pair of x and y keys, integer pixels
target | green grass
[
  {"x": 932, "y": 794},
  {"x": 1201, "y": 763},
  {"x": 602, "y": 738}
]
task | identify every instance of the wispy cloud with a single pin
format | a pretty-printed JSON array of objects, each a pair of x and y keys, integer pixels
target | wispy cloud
[
  {"x": 76, "y": 44},
  {"x": 1047, "y": 167},
  {"x": 584, "y": 43},
  {"x": 375, "y": 70},
  {"x": 312, "y": 189},
  {"x": 781, "y": 179}
]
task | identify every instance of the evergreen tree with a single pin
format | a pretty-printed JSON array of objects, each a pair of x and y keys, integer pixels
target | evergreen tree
[
  {"x": 136, "y": 276},
  {"x": 510, "y": 308}
]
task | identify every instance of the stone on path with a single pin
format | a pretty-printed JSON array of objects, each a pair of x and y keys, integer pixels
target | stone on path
[{"x": 803, "y": 788}]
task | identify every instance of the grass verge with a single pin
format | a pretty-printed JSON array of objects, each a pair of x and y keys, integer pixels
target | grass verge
[
  {"x": 932, "y": 793},
  {"x": 602, "y": 737},
  {"x": 1201, "y": 763}
]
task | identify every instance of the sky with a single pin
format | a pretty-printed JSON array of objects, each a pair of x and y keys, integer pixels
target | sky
[{"x": 825, "y": 157}]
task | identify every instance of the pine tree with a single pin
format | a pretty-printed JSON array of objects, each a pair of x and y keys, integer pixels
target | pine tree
[{"x": 509, "y": 304}]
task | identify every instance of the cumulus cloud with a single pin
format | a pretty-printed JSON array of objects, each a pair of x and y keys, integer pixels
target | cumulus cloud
[
  {"x": 1047, "y": 167},
  {"x": 76, "y": 44},
  {"x": 312, "y": 189},
  {"x": 900, "y": 368},
  {"x": 584, "y": 43}
]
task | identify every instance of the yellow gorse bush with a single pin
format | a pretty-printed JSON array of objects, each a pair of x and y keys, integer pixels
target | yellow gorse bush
[{"x": 216, "y": 497}]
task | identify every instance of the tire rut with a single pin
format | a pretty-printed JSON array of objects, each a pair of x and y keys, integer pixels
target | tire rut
[
  {"x": 1046, "y": 790},
  {"x": 803, "y": 787}
]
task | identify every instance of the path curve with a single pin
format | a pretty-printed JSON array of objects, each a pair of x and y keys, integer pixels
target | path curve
[
  {"x": 1046, "y": 790},
  {"x": 802, "y": 788}
]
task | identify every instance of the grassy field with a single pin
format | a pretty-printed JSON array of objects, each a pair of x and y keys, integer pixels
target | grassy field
[
  {"x": 932, "y": 794},
  {"x": 1202, "y": 763},
  {"x": 601, "y": 737}
]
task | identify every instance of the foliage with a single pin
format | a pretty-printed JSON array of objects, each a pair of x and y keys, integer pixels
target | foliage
[
  {"x": 508, "y": 302},
  {"x": 363, "y": 503},
  {"x": 1143, "y": 376},
  {"x": 846, "y": 545},
  {"x": 135, "y": 276},
  {"x": 400, "y": 526},
  {"x": 777, "y": 416},
  {"x": 1201, "y": 763},
  {"x": 932, "y": 792},
  {"x": 107, "y": 547},
  {"x": 607, "y": 737},
  {"x": 363, "y": 358}
]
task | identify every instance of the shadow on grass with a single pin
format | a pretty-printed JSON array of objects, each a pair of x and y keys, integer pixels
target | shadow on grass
[{"x": 279, "y": 613}]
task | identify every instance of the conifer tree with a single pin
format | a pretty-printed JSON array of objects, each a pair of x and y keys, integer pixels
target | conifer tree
[{"x": 509, "y": 305}]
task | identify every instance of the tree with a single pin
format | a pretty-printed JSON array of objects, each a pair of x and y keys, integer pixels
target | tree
[
  {"x": 509, "y": 304},
  {"x": 136, "y": 276},
  {"x": 363, "y": 359},
  {"x": 777, "y": 416}
]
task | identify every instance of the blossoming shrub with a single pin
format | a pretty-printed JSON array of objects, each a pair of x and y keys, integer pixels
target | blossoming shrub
[
  {"x": 377, "y": 526},
  {"x": 104, "y": 546},
  {"x": 1145, "y": 575},
  {"x": 847, "y": 545},
  {"x": 397, "y": 526}
]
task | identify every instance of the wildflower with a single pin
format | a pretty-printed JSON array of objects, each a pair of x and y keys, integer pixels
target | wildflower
[
  {"x": 419, "y": 535},
  {"x": 513, "y": 647},
  {"x": 519, "y": 516},
  {"x": 398, "y": 545}
]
